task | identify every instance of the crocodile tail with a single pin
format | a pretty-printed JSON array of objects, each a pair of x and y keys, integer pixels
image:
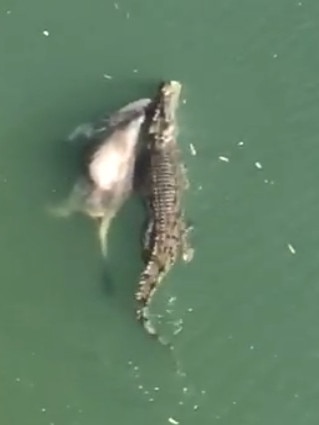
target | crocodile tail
[{"x": 147, "y": 285}]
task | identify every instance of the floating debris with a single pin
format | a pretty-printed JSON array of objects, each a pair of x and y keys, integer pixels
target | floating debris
[
  {"x": 173, "y": 421},
  {"x": 46, "y": 33},
  {"x": 291, "y": 249},
  {"x": 241, "y": 143},
  {"x": 258, "y": 165},
  {"x": 172, "y": 300},
  {"x": 193, "y": 150},
  {"x": 178, "y": 330},
  {"x": 195, "y": 407},
  {"x": 223, "y": 158},
  {"x": 107, "y": 76}
]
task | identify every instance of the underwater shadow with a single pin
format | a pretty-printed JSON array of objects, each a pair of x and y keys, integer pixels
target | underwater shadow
[{"x": 121, "y": 268}]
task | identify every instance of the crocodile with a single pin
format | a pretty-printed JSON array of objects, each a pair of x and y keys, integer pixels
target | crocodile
[{"x": 166, "y": 236}]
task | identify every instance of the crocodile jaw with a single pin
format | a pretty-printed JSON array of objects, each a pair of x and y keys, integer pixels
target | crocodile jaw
[{"x": 170, "y": 92}]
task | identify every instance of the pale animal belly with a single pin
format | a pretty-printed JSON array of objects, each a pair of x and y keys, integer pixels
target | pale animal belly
[{"x": 106, "y": 169}]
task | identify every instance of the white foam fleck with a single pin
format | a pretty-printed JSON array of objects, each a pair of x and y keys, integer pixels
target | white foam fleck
[
  {"x": 192, "y": 149},
  {"x": 178, "y": 330},
  {"x": 173, "y": 421},
  {"x": 8, "y": 12},
  {"x": 116, "y": 5},
  {"x": 291, "y": 248},
  {"x": 275, "y": 55},
  {"x": 200, "y": 187},
  {"x": 184, "y": 101},
  {"x": 171, "y": 300},
  {"x": 43, "y": 410},
  {"x": 46, "y": 33},
  {"x": 135, "y": 71},
  {"x": 252, "y": 347},
  {"x": 266, "y": 181},
  {"x": 190, "y": 309},
  {"x": 258, "y": 165},
  {"x": 241, "y": 143},
  {"x": 128, "y": 15},
  {"x": 18, "y": 379},
  {"x": 107, "y": 76},
  {"x": 223, "y": 158}
]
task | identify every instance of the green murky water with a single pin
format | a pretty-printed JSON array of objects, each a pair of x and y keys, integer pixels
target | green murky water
[{"x": 71, "y": 352}]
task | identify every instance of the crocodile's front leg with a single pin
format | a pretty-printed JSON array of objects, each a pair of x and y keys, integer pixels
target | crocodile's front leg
[
  {"x": 187, "y": 251},
  {"x": 184, "y": 177}
]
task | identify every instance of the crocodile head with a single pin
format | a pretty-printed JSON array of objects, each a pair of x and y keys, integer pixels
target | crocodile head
[
  {"x": 170, "y": 92},
  {"x": 164, "y": 113}
]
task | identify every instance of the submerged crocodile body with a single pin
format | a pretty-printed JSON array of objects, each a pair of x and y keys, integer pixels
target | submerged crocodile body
[{"x": 165, "y": 239}]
